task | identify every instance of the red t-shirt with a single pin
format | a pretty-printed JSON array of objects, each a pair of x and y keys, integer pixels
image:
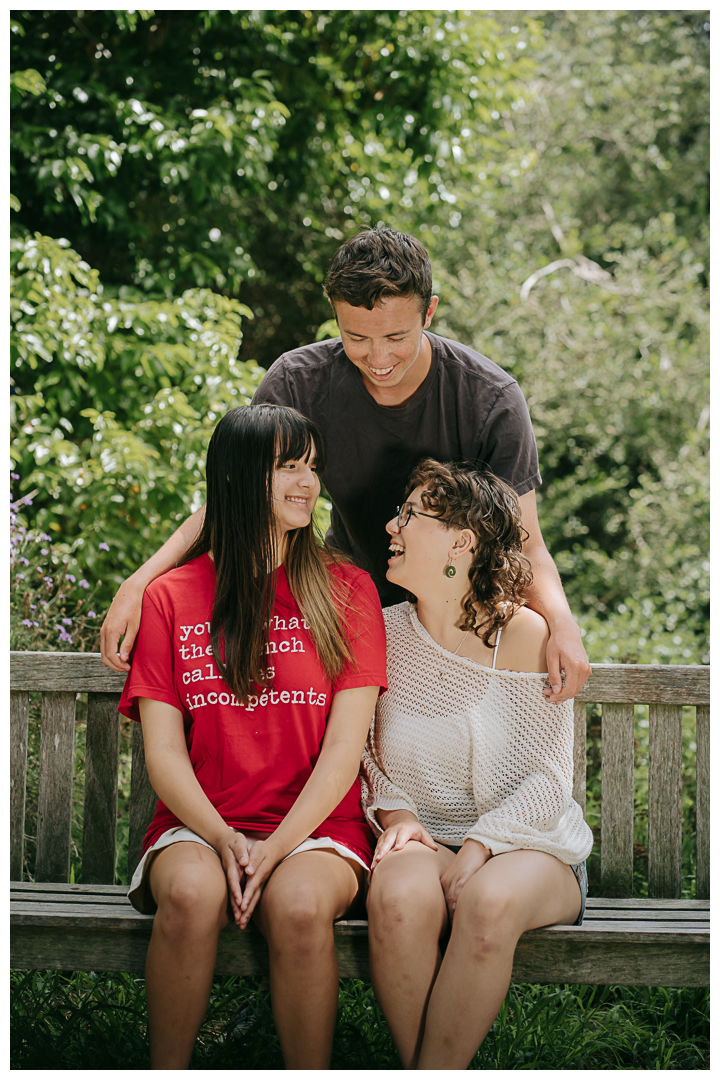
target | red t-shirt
[{"x": 253, "y": 760}]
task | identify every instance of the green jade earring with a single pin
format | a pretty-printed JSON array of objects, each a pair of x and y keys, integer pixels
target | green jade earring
[{"x": 450, "y": 570}]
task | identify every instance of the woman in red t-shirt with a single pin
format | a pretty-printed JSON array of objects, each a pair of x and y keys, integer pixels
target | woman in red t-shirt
[{"x": 255, "y": 675}]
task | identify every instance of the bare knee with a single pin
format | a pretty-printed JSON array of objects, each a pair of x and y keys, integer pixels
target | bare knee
[
  {"x": 398, "y": 903},
  {"x": 298, "y": 918},
  {"x": 486, "y": 919},
  {"x": 192, "y": 903}
]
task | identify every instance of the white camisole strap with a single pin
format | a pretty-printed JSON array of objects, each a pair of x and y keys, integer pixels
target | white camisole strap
[
  {"x": 497, "y": 644},
  {"x": 497, "y": 639}
]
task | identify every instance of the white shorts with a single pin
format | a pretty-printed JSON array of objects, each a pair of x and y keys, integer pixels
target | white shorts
[{"x": 139, "y": 895}]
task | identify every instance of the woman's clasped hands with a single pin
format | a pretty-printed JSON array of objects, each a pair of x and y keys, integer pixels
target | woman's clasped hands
[{"x": 247, "y": 868}]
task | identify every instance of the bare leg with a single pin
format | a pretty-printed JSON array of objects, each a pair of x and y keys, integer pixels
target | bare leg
[
  {"x": 295, "y": 913},
  {"x": 188, "y": 885},
  {"x": 510, "y": 894},
  {"x": 407, "y": 917}
]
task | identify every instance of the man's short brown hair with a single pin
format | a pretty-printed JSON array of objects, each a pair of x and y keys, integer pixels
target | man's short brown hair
[{"x": 377, "y": 263}]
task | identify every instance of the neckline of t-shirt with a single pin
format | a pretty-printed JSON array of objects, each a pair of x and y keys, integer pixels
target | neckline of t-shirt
[
  {"x": 209, "y": 564},
  {"x": 465, "y": 661},
  {"x": 420, "y": 394}
]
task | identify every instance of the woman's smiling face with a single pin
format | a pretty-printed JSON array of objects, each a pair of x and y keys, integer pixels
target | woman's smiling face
[
  {"x": 419, "y": 550},
  {"x": 296, "y": 487}
]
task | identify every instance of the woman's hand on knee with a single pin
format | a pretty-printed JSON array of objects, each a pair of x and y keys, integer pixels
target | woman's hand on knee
[
  {"x": 397, "y": 835},
  {"x": 469, "y": 859}
]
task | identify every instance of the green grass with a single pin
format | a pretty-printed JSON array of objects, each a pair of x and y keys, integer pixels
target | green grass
[{"x": 88, "y": 1021}]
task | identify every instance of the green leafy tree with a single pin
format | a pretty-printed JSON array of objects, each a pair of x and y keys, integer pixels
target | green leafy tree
[
  {"x": 582, "y": 270},
  {"x": 233, "y": 150}
]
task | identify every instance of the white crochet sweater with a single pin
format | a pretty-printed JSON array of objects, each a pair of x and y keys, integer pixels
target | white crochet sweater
[{"x": 471, "y": 751}]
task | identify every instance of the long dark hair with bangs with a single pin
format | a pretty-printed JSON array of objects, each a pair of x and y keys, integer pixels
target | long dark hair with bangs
[
  {"x": 472, "y": 498},
  {"x": 239, "y": 530}
]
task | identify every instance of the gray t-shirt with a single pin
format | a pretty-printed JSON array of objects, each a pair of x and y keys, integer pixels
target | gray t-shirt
[{"x": 466, "y": 408}]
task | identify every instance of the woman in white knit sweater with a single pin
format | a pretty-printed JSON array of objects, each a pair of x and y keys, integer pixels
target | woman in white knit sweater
[{"x": 467, "y": 774}]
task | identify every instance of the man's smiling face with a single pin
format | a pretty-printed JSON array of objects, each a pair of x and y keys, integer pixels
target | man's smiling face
[{"x": 387, "y": 342}]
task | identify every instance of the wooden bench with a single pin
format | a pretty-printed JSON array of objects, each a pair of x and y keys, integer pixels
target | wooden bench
[{"x": 90, "y": 926}]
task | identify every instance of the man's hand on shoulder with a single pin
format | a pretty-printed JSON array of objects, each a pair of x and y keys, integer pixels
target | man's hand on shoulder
[
  {"x": 566, "y": 654},
  {"x": 121, "y": 621}
]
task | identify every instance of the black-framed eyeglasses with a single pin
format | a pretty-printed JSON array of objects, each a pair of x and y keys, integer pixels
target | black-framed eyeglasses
[{"x": 406, "y": 511}]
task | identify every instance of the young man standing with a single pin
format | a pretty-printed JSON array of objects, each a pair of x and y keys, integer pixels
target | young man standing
[{"x": 386, "y": 394}]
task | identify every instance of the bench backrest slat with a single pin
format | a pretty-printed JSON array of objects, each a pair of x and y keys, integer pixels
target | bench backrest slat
[
  {"x": 616, "y": 787},
  {"x": 102, "y": 749},
  {"x": 57, "y": 745},
  {"x": 19, "y": 711},
  {"x": 665, "y": 801},
  {"x": 143, "y": 801},
  {"x": 702, "y": 803},
  {"x": 667, "y": 684},
  {"x": 580, "y": 753}
]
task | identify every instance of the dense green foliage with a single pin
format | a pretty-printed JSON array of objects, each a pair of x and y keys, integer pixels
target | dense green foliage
[
  {"x": 232, "y": 150},
  {"x": 98, "y": 1022},
  {"x": 179, "y": 172}
]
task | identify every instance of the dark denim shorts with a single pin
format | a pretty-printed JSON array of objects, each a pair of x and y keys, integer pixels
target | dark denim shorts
[{"x": 579, "y": 870}]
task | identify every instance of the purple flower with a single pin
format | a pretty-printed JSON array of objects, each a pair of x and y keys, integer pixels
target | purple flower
[
  {"x": 44, "y": 551},
  {"x": 64, "y": 636},
  {"x": 33, "y": 607},
  {"x": 19, "y": 577},
  {"x": 66, "y": 622},
  {"x": 24, "y": 561},
  {"x": 26, "y": 622},
  {"x": 92, "y": 615},
  {"x": 14, "y": 476},
  {"x": 69, "y": 577},
  {"x": 48, "y": 581},
  {"x": 104, "y": 547},
  {"x": 83, "y": 583},
  {"x": 44, "y": 536}
]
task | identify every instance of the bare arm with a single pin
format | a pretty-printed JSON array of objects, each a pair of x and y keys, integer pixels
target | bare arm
[
  {"x": 565, "y": 648},
  {"x": 123, "y": 618},
  {"x": 174, "y": 781}
]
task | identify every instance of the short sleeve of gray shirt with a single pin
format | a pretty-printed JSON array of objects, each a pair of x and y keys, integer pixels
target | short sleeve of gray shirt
[{"x": 467, "y": 408}]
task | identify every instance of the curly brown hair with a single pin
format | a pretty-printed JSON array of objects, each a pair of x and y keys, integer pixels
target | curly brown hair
[{"x": 476, "y": 499}]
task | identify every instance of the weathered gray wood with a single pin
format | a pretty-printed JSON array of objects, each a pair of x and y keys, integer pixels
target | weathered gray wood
[
  {"x": 616, "y": 784},
  {"x": 143, "y": 801},
  {"x": 102, "y": 750},
  {"x": 673, "y": 963},
  {"x": 681, "y": 684},
  {"x": 649, "y": 903},
  {"x": 665, "y": 800},
  {"x": 19, "y": 707},
  {"x": 62, "y": 888},
  {"x": 702, "y": 802},
  {"x": 79, "y": 672},
  {"x": 579, "y": 753},
  {"x": 57, "y": 744},
  {"x": 540, "y": 957}
]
